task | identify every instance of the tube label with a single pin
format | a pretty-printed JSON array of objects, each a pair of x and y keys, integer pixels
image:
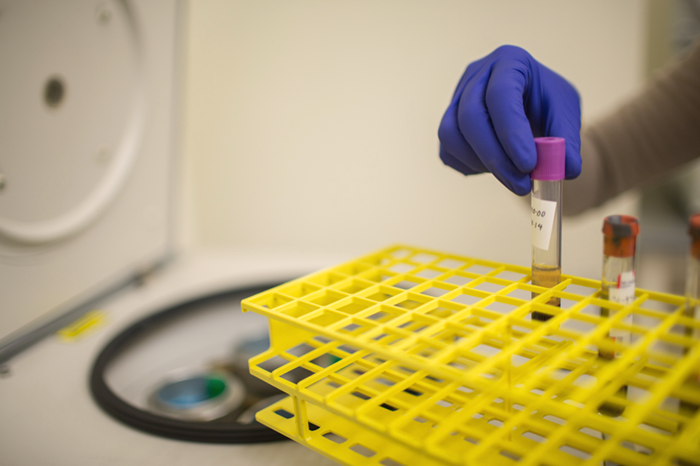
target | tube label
[
  {"x": 542, "y": 221},
  {"x": 622, "y": 293}
]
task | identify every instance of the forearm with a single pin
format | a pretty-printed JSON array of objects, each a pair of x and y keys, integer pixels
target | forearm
[{"x": 650, "y": 135}]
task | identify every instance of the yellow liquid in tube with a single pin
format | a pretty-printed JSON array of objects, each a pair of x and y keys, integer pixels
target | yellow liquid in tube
[{"x": 546, "y": 276}]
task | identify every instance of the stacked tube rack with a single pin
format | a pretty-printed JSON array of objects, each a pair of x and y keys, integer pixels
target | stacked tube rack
[{"x": 409, "y": 356}]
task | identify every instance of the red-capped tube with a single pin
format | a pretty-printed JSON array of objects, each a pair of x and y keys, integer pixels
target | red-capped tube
[
  {"x": 620, "y": 235},
  {"x": 618, "y": 286}
]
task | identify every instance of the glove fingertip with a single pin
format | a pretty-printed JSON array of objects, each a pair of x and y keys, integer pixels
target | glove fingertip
[
  {"x": 528, "y": 155},
  {"x": 454, "y": 162},
  {"x": 573, "y": 160},
  {"x": 572, "y": 175},
  {"x": 519, "y": 185},
  {"x": 523, "y": 186}
]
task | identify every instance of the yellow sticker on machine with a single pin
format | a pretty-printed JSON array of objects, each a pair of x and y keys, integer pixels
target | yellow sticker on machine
[{"x": 82, "y": 326}]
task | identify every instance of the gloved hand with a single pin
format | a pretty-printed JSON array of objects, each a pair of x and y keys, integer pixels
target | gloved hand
[{"x": 503, "y": 102}]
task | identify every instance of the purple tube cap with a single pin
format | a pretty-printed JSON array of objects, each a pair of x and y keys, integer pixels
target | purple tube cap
[{"x": 551, "y": 156}]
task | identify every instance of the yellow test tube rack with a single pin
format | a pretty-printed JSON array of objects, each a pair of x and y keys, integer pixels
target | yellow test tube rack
[{"x": 409, "y": 356}]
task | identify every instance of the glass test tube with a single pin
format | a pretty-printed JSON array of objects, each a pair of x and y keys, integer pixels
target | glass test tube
[
  {"x": 618, "y": 285},
  {"x": 692, "y": 279},
  {"x": 545, "y": 221},
  {"x": 692, "y": 296}
]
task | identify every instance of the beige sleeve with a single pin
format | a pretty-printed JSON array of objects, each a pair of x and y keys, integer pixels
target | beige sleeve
[{"x": 653, "y": 133}]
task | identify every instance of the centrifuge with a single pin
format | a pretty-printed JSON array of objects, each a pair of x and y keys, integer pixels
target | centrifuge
[{"x": 115, "y": 346}]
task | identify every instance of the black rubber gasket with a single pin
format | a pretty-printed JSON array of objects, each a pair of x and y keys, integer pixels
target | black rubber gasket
[{"x": 160, "y": 425}]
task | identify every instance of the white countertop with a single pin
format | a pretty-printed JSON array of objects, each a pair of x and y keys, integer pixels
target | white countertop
[{"x": 48, "y": 417}]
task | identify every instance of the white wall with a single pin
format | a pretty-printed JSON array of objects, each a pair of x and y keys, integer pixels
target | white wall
[{"x": 311, "y": 125}]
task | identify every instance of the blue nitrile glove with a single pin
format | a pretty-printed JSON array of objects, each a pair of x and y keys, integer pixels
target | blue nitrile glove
[{"x": 503, "y": 102}]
